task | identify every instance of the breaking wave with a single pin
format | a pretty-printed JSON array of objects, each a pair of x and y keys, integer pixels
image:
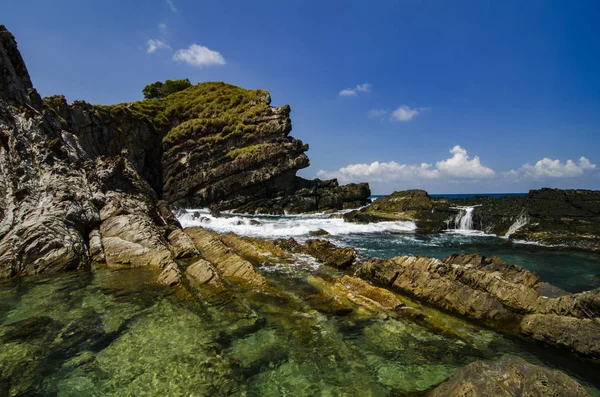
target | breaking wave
[{"x": 271, "y": 226}]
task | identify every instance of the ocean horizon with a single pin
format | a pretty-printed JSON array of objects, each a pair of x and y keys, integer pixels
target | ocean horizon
[{"x": 462, "y": 195}]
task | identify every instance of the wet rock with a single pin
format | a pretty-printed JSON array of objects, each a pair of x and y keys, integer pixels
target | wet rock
[
  {"x": 512, "y": 377},
  {"x": 256, "y": 250},
  {"x": 330, "y": 254},
  {"x": 318, "y": 232},
  {"x": 503, "y": 296},
  {"x": 230, "y": 265},
  {"x": 170, "y": 275},
  {"x": 575, "y": 334},
  {"x": 363, "y": 293},
  {"x": 426, "y": 279},
  {"x": 553, "y": 217},
  {"x": 430, "y": 214},
  {"x": 289, "y": 245},
  {"x": 183, "y": 246},
  {"x": 201, "y": 272}
]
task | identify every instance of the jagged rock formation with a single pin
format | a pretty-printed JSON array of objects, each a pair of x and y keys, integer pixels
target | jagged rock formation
[
  {"x": 82, "y": 183},
  {"x": 213, "y": 144},
  {"x": 60, "y": 206},
  {"x": 569, "y": 218},
  {"x": 511, "y": 377},
  {"x": 503, "y": 296}
]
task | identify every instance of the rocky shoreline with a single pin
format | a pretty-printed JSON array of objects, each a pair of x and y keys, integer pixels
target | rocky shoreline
[
  {"x": 85, "y": 186},
  {"x": 551, "y": 217}
]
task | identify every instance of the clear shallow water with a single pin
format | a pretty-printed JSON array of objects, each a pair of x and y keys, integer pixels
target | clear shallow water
[
  {"x": 114, "y": 333},
  {"x": 572, "y": 270}
]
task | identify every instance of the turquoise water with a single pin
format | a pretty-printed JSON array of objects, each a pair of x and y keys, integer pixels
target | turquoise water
[{"x": 571, "y": 270}]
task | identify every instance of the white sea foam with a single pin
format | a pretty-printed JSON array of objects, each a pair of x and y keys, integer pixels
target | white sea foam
[
  {"x": 286, "y": 226},
  {"x": 521, "y": 221}
]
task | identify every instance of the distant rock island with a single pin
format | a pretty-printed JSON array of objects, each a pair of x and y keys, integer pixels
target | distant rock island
[{"x": 553, "y": 217}]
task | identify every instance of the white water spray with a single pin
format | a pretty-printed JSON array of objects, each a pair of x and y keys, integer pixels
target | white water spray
[
  {"x": 271, "y": 226},
  {"x": 520, "y": 221},
  {"x": 464, "y": 219}
]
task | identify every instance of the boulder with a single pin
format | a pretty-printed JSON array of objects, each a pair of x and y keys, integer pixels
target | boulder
[
  {"x": 510, "y": 377},
  {"x": 330, "y": 254},
  {"x": 318, "y": 233},
  {"x": 229, "y": 264}
]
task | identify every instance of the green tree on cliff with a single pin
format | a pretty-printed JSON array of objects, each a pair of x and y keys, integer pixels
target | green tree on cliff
[{"x": 160, "y": 90}]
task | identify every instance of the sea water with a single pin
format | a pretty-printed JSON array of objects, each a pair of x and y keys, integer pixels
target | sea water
[
  {"x": 571, "y": 270},
  {"x": 116, "y": 333}
]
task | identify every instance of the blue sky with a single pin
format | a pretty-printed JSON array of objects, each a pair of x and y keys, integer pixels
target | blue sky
[{"x": 449, "y": 96}]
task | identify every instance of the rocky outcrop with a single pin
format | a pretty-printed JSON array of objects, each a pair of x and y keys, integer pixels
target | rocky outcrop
[
  {"x": 511, "y": 377},
  {"x": 228, "y": 263},
  {"x": 61, "y": 207},
  {"x": 505, "y": 297},
  {"x": 561, "y": 217},
  {"x": 554, "y": 217},
  {"x": 213, "y": 144},
  {"x": 331, "y": 255},
  {"x": 83, "y": 183},
  {"x": 428, "y": 213}
]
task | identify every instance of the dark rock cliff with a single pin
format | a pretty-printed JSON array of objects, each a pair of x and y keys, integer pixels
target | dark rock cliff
[
  {"x": 82, "y": 183},
  {"x": 212, "y": 144}
]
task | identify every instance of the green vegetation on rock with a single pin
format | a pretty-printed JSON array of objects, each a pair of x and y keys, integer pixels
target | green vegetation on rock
[
  {"x": 159, "y": 89},
  {"x": 200, "y": 111}
]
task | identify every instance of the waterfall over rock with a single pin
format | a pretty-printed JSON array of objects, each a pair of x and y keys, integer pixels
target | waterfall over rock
[{"x": 464, "y": 219}]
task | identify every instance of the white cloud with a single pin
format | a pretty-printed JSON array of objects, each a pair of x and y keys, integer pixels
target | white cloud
[
  {"x": 200, "y": 56},
  {"x": 171, "y": 5},
  {"x": 381, "y": 172},
  {"x": 405, "y": 113},
  {"x": 365, "y": 87},
  {"x": 153, "y": 45},
  {"x": 347, "y": 92},
  {"x": 548, "y": 168},
  {"x": 378, "y": 112},
  {"x": 459, "y": 166},
  {"x": 164, "y": 29}
]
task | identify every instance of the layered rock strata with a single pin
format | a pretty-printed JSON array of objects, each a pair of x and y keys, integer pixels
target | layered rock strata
[
  {"x": 83, "y": 183},
  {"x": 505, "y": 297}
]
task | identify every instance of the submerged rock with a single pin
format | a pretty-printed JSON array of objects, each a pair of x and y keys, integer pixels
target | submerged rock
[{"x": 512, "y": 377}]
